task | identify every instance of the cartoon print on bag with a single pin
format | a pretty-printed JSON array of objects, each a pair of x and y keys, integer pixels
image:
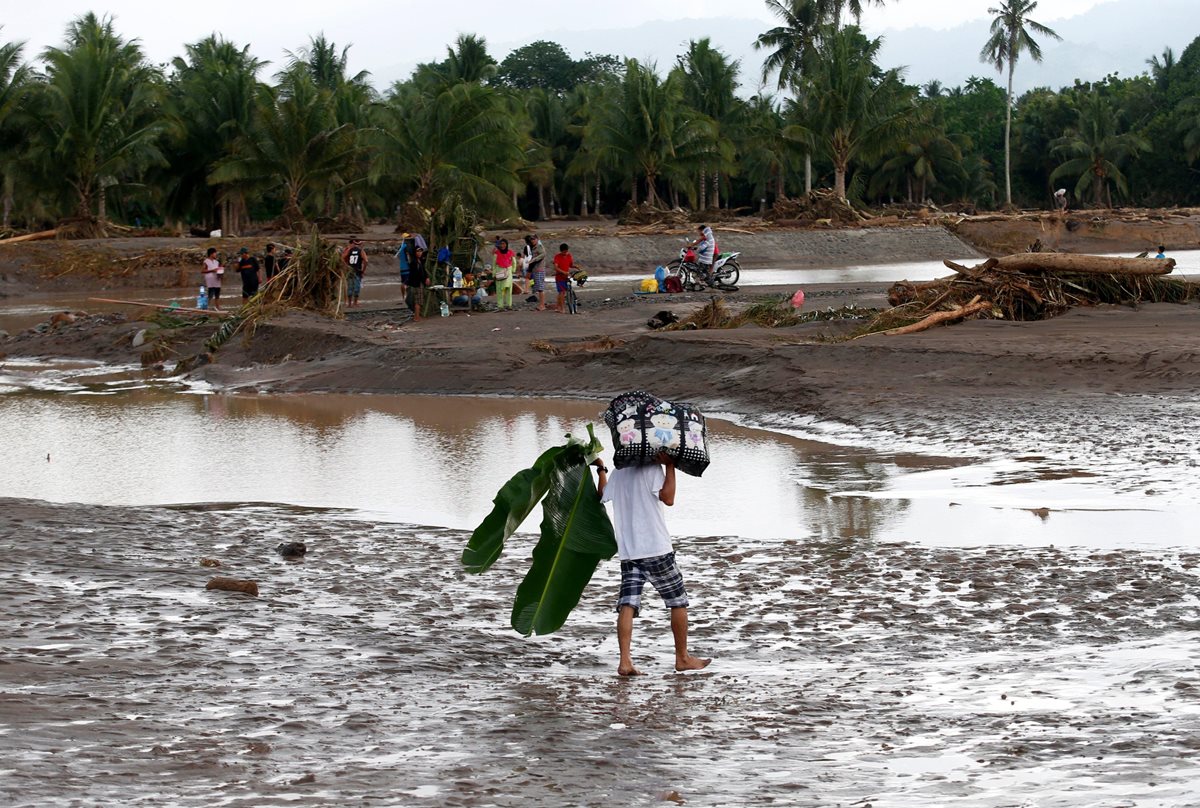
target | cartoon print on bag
[
  {"x": 665, "y": 433},
  {"x": 695, "y": 436},
  {"x": 628, "y": 431}
]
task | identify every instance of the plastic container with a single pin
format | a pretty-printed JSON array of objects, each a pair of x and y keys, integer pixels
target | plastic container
[
  {"x": 202, "y": 299},
  {"x": 445, "y": 309}
]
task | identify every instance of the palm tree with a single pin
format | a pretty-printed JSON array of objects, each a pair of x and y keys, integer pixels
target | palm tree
[
  {"x": 99, "y": 117},
  {"x": 459, "y": 144},
  {"x": 1189, "y": 126},
  {"x": 295, "y": 145},
  {"x": 212, "y": 99},
  {"x": 650, "y": 131},
  {"x": 1095, "y": 150},
  {"x": 14, "y": 81},
  {"x": 1010, "y": 37},
  {"x": 547, "y": 150},
  {"x": 857, "y": 113},
  {"x": 795, "y": 44},
  {"x": 709, "y": 81},
  {"x": 767, "y": 156},
  {"x": 1161, "y": 69}
]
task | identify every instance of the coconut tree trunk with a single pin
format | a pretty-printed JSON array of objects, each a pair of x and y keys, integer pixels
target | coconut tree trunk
[
  {"x": 717, "y": 190},
  {"x": 596, "y": 207},
  {"x": 807, "y": 173},
  {"x": 102, "y": 206},
  {"x": 583, "y": 199},
  {"x": 541, "y": 202},
  {"x": 634, "y": 190},
  {"x": 780, "y": 188},
  {"x": 1008, "y": 135},
  {"x": 839, "y": 181},
  {"x": 651, "y": 189},
  {"x": 8, "y": 202},
  {"x": 674, "y": 196},
  {"x": 703, "y": 201}
]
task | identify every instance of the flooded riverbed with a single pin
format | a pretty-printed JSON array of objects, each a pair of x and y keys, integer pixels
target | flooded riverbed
[
  {"x": 889, "y": 628},
  {"x": 88, "y": 434},
  {"x": 846, "y": 672}
]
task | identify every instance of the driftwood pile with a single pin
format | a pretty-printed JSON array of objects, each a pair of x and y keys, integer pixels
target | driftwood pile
[
  {"x": 647, "y": 214},
  {"x": 815, "y": 207},
  {"x": 1030, "y": 286}
]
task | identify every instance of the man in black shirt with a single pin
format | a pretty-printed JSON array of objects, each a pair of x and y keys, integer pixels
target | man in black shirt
[
  {"x": 247, "y": 266},
  {"x": 269, "y": 262},
  {"x": 418, "y": 279}
]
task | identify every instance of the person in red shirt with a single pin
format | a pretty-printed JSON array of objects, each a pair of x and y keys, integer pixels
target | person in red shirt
[{"x": 563, "y": 264}]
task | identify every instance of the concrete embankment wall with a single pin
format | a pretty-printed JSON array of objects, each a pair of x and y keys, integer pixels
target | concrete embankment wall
[{"x": 793, "y": 248}]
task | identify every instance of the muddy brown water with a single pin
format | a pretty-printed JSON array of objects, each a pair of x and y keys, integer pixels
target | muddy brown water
[{"x": 870, "y": 648}]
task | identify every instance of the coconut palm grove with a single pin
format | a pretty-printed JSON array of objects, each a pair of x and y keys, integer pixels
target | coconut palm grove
[{"x": 92, "y": 134}]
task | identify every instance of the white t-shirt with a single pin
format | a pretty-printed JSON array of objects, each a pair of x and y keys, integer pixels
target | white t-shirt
[
  {"x": 706, "y": 249},
  {"x": 639, "y": 516},
  {"x": 212, "y": 276}
]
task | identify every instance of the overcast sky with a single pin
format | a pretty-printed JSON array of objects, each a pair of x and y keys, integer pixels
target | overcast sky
[{"x": 390, "y": 37}]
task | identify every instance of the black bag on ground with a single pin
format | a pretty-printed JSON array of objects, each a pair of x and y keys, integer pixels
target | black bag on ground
[{"x": 643, "y": 425}]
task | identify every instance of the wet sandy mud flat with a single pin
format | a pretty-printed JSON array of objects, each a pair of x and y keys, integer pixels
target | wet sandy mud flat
[{"x": 375, "y": 671}]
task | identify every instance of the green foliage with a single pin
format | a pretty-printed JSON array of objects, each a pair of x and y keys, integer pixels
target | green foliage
[
  {"x": 91, "y": 130},
  {"x": 575, "y": 534},
  {"x": 456, "y": 142},
  {"x": 546, "y": 66},
  {"x": 857, "y": 112},
  {"x": 295, "y": 145},
  {"x": 1010, "y": 37},
  {"x": 211, "y": 100},
  {"x": 1095, "y": 149},
  {"x": 98, "y": 120}
]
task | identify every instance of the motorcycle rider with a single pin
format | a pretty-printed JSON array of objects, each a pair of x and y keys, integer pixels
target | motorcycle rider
[{"x": 706, "y": 251}]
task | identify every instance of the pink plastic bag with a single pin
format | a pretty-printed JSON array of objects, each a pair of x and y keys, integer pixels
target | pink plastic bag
[{"x": 798, "y": 299}]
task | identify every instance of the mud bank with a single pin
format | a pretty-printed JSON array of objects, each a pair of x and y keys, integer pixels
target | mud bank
[{"x": 1099, "y": 371}]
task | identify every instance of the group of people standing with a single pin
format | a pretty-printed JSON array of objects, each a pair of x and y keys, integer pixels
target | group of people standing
[
  {"x": 247, "y": 266},
  {"x": 531, "y": 265}
]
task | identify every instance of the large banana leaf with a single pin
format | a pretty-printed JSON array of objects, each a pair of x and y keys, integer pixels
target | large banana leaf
[
  {"x": 513, "y": 503},
  {"x": 576, "y": 536}
]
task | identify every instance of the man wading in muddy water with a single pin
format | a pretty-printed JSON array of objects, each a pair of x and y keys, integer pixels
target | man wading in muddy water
[{"x": 638, "y": 495}]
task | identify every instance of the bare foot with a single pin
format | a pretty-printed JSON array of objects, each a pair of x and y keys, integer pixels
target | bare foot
[
  {"x": 691, "y": 663},
  {"x": 628, "y": 670}
]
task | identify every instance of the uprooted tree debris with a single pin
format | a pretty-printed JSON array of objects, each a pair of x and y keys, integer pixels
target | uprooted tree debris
[
  {"x": 815, "y": 207},
  {"x": 313, "y": 280},
  {"x": 1033, "y": 286}
]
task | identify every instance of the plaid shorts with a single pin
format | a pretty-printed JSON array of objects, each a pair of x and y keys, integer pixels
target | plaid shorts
[{"x": 662, "y": 571}]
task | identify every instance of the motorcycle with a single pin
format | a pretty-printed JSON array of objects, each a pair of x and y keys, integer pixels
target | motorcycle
[{"x": 726, "y": 270}]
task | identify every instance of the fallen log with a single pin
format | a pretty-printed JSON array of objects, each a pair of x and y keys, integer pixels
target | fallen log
[
  {"x": 234, "y": 585},
  {"x": 939, "y": 317},
  {"x": 162, "y": 306},
  {"x": 44, "y": 234},
  {"x": 1074, "y": 264}
]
